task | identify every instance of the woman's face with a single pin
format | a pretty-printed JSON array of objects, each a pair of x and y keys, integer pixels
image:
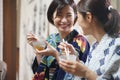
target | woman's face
[
  {"x": 83, "y": 23},
  {"x": 64, "y": 19}
]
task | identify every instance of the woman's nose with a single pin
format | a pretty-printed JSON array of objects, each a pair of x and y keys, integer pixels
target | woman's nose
[{"x": 63, "y": 19}]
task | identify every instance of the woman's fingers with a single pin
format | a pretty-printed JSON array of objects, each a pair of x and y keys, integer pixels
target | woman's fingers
[
  {"x": 49, "y": 51},
  {"x": 31, "y": 37},
  {"x": 41, "y": 51},
  {"x": 68, "y": 66},
  {"x": 68, "y": 46},
  {"x": 62, "y": 46}
]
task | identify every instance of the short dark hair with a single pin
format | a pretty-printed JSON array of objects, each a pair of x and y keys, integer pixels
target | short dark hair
[
  {"x": 58, "y": 5},
  {"x": 106, "y": 16}
]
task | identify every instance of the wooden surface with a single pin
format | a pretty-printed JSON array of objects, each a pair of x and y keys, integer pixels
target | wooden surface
[{"x": 9, "y": 46}]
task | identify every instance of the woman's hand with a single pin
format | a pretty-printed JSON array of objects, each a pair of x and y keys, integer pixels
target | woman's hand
[
  {"x": 68, "y": 46},
  {"x": 49, "y": 51},
  {"x": 30, "y": 38},
  {"x": 78, "y": 69},
  {"x": 73, "y": 67}
]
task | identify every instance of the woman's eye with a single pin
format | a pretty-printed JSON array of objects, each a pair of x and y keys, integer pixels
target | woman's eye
[
  {"x": 59, "y": 15},
  {"x": 69, "y": 15}
]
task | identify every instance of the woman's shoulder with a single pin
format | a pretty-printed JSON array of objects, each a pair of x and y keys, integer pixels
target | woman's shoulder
[
  {"x": 80, "y": 38},
  {"x": 114, "y": 46},
  {"x": 117, "y": 45},
  {"x": 82, "y": 42},
  {"x": 117, "y": 40},
  {"x": 114, "y": 42}
]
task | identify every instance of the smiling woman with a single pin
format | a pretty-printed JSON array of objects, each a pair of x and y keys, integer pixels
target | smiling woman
[{"x": 104, "y": 57}]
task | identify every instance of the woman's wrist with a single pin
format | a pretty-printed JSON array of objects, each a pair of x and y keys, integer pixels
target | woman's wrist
[
  {"x": 56, "y": 55},
  {"x": 90, "y": 75}
]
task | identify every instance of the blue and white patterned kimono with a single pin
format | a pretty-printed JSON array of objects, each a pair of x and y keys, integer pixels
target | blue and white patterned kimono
[{"x": 104, "y": 58}]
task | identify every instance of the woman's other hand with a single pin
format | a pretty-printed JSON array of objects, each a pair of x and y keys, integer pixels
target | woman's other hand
[{"x": 78, "y": 69}]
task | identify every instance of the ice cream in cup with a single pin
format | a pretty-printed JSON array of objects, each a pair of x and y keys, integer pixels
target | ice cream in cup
[
  {"x": 67, "y": 55},
  {"x": 39, "y": 43},
  {"x": 71, "y": 57}
]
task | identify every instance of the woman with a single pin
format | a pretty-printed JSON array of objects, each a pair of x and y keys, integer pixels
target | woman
[
  {"x": 62, "y": 14},
  {"x": 99, "y": 19}
]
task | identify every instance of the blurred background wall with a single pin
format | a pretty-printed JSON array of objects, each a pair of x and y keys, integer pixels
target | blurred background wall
[{"x": 17, "y": 18}]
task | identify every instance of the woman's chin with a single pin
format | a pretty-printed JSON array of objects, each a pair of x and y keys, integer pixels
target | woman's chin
[
  {"x": 85, "y": 34},
  {"x": 63, "y": 30}
]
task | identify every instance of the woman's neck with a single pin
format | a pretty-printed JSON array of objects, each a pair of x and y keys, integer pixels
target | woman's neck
[
  {"x": 63, "y": 34},
  {"x": 98, "y": 34}
]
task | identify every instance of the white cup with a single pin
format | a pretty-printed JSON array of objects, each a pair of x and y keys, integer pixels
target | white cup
[{"x": 71, "y": 57}]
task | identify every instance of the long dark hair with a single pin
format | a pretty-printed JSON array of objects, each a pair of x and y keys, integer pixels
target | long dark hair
[
  {"x": 58, "y": 5},
  {"x": 104, "y": 13}
]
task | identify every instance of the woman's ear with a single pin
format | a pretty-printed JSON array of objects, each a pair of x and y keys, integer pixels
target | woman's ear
[{"x": 88, "y": 16}]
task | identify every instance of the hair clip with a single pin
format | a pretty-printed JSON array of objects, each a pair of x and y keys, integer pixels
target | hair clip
[{"x": 110, "y": 7}]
